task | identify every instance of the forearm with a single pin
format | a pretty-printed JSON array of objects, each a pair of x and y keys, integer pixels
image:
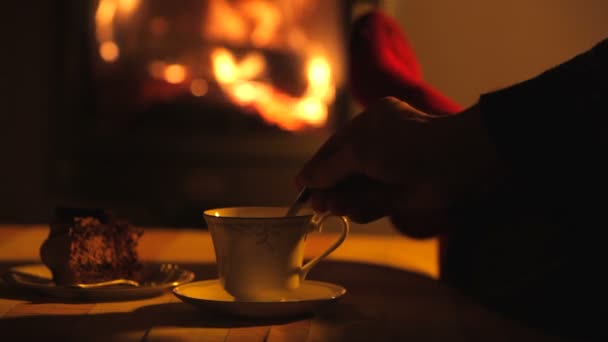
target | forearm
[{"x": 467, "y": 167}]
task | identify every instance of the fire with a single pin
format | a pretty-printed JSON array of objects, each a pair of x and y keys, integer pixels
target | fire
[
  {"x": 109, "y": 51},
  {"x": 247, "y": 92},
  {"x": 318, "y": 71},
  {"x": 103, "y": 19},
  {"x": 252, "y": 66},
  {"x": 319, "y": 76},
  {"x": 313, "y": 111},
  {"x": 127, "y": 6},
  {"x": 199, "y": 87},
  {"x": 241, "y": 80},
  {"x": 104, "y": 25},
  {"x": 225, "y": 66},
  {"x": 175, "y": 73},
  {"x": 263, "y": 24},
  {"x": 260, "y": 26}
]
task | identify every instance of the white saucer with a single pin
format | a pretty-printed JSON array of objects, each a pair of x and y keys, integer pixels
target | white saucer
[
  {"x": 156, "y": 278},
  {"x": 308, "y": 298}
]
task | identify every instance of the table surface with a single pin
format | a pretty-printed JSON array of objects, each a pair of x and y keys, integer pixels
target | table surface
[{"x": 392, "y": 294}]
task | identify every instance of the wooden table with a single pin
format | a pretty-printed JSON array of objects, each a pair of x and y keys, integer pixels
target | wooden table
[{"x": 392, "y": 295}]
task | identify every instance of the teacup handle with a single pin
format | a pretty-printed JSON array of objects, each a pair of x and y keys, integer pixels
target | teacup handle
[{"x": 318, "y": 220}]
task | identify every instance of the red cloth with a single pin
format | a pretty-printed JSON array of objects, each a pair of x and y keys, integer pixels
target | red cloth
[{"x": 382, "y": 63}]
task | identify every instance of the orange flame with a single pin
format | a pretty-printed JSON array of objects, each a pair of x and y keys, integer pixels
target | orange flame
[
  {"x": 175, "y": 73},
  {"x": 241, "y": 23},
  {"x": 238, "y": 80},
  {"x": 105, "y": 16}
]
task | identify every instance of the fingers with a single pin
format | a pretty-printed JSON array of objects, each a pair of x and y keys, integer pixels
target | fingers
[
  {"x": 368, "y": 144},
  {"x": 333, "y": 163},
  {"x": 361, "y": 199},
  {"x": 378, "y": 144}
]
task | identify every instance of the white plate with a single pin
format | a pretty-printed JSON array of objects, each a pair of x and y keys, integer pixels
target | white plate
[
  {"x": 307, "y": 299},
  {"x": 156, "y": 278}
]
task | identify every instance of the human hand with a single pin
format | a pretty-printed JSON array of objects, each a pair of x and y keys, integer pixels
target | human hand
[{"x": 394, "y": 160}]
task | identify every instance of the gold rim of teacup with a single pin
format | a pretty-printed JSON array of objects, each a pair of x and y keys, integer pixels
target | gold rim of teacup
[{"x": 215, "y": 213}]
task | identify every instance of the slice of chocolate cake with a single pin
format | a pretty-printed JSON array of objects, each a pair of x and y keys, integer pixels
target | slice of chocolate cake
[{"x": 89, "y": 246}]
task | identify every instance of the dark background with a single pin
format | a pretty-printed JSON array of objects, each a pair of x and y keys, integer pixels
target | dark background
[{"x": 465, "y": 48}]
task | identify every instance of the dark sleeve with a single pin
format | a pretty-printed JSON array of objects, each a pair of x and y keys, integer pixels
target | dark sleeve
[
  {"x": 552, "y": 128},
  {"x": 530, "y": 248}
]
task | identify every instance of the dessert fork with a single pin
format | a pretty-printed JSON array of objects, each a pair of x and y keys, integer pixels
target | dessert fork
[{"x": 119, "y": 281}]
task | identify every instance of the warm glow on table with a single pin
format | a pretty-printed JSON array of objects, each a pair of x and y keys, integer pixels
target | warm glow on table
[
  {"x": 194, "y": 245},
  {"x": 380, "y": 301}
]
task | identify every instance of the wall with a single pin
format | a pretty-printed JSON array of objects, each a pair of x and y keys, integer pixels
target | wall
[
  {"x": 468, "y": 47},
  {"x": 24, "y": 108}
]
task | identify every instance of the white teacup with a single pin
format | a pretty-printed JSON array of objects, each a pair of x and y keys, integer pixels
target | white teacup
[{"x": 259, "y": 251}]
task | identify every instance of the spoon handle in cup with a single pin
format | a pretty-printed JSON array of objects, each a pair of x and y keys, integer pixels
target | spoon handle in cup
[{"x": 301, "y": 198}]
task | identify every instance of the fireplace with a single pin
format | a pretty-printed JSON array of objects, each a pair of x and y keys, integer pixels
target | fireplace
[{"x": 169, "y": 107}]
